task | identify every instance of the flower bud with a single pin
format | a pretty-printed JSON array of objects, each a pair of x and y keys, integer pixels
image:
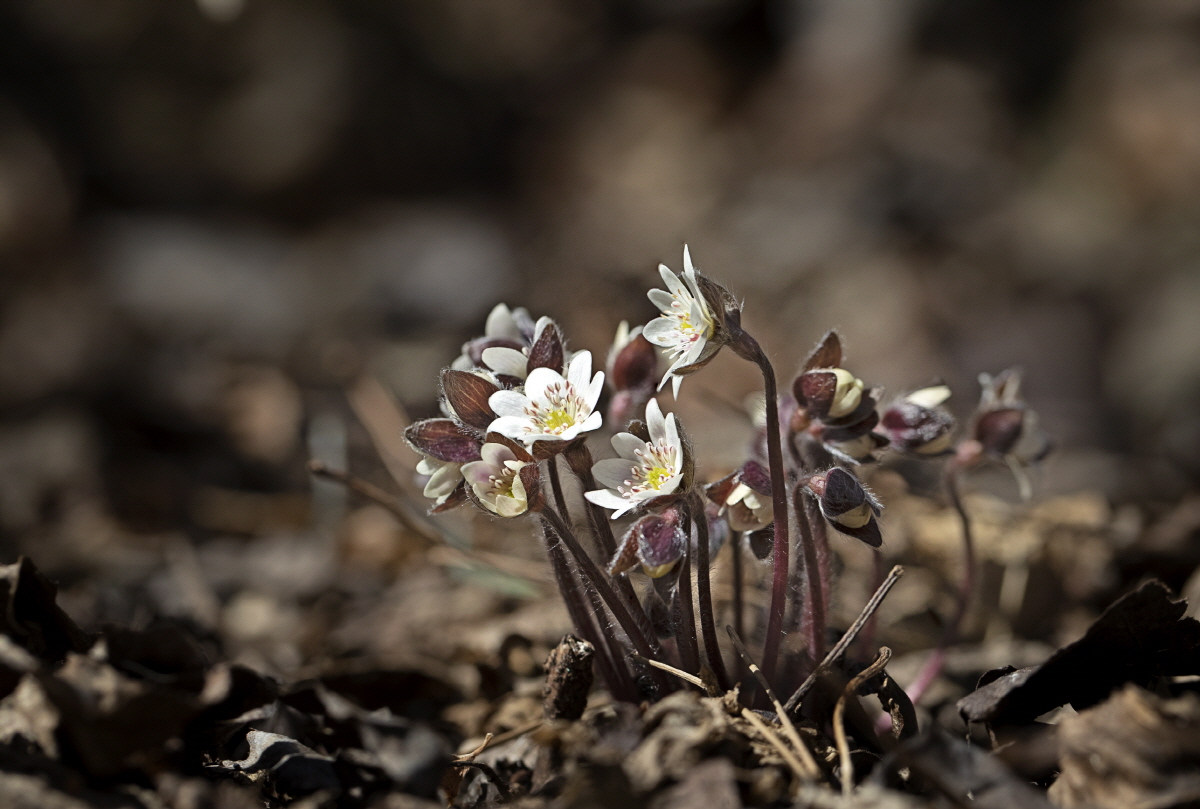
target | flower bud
[
  {"x": 745, "y": 497},
  {"x": 915, "y": 423},
  {"x": 656, "y": 541},
  {"x": 847, "y": 505}
]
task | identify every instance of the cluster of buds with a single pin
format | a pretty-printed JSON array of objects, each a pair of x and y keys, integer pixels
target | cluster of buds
[{"x": 517, "y": 399}]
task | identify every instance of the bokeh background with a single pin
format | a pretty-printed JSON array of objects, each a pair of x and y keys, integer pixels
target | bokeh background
[{"x": 228, "y": 228}]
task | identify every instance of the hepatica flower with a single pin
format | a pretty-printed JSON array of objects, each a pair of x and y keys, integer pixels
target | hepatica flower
[
  {"x": 686, "y": 324},
  {"x": 645, "y": 469},
  {"x": 551, "y": 408},
  {"x": 497, "y": 481}
]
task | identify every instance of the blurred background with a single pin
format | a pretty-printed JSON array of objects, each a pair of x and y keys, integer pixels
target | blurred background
[{"x": 229, "y": 228}]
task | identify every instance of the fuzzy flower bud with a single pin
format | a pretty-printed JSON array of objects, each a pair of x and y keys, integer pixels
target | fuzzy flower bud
[{"x": 847, "y": 505}]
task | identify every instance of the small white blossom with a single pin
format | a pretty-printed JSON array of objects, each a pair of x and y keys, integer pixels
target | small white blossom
[
  {"x": 551, "y": 408},
  {"x": 686, "y": 323},
  {"x": 644, "y": 470},
  {"x": 496, "y": 480},
  {"x": 443, "y": 478},
  {"x": 748, "y": 510}
]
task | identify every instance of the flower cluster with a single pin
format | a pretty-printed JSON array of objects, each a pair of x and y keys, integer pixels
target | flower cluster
[{"x": 517, "y": 401}]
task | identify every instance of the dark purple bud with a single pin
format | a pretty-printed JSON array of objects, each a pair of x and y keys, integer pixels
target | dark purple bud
[
  {"x": 755, "y": 475},
  {"x": 444, "y": 439},
  {"x": 548, "y": 351},
  {"x": 635, "y": 366},
  {"x": 999, "y": 430},
  {"x": 762, "y": 542},
  {"x": 468, "y": 395},
  {"x": 847, "y": 505},
  {"x": 915, "y": 428},
  {"x": 661, "y": 542}
]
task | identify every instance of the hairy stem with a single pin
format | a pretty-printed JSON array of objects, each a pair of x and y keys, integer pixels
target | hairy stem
[
  {"x": 810, "y": 521},
  {"x": 735, "y": 555},
  {"x": 685, "y": 633},
  {"x": 612, "y": 660},
  {"x": 595, "y": 577},
  {"x": 612, "y": 669},
  {"x": 579, "y": 457},
  {"x": 708, "y": 626},
  {"x": 779, "y": 502},
  {"x": 937, "y": 659}
]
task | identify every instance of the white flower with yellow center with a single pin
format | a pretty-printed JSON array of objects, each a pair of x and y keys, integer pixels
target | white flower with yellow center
[
  {"x": 551, "y": 408},
  {"x": 645, "y": 469},
  {"x": 496, "y": 480},
  {"x": 686, "y": 323}
]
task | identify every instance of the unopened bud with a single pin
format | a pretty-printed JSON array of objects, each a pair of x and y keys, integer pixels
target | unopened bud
[{"x": 847, "y": 505}]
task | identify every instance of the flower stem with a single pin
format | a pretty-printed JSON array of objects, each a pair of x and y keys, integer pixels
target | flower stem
[
  {"x": 809, "y": 518},
  {"x": 708, "y": 627},
  {"x": 612, "y": 661},
  {"x": 937, "y": 659},
  {"x": 735, "y": 551},
  {"x": 579, "y": 457},
  {"x": 685, "y": 630},
  {"x": 779, "y": 503},
  {"x": 594, "y": 576},
  {"x": 612, "y": 668}
]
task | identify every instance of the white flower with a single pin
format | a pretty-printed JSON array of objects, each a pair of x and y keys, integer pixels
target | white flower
[
  {"x": 443, "y": 478},
  {"x": 686, "y": 323},
  {"x": 496, "y": 480},
  {"x": 644, "y": 470},
  {"x": 551, "y": 408},
  {"x": 748, "y": 509}
]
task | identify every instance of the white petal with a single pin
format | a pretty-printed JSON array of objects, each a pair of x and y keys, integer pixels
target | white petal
[
  {"x": 477, "y": 473},
  {"x": 662, "y": 331},
  {"x": 443, "y": 481},
  {"x": 508, "y": 403},
  {"x": 655, "y": 422},
  {"x": 506, "y": 361},
  {"x": 606, "y": 498},
  {"x": 688, "y": 267},
  {"x": 929, "y": 397},
  {"x": 626, "y": 444},
  {"x": 539, "y": 380},
  {"x": 592, "y": 422},
  {"x": 673, "y": 434},
  {"x": 580, "y": 370},
  {"x": 511, "y": 426},
  {"x": 494, "y": 455},
  {"x": 613, "y": 472},
  {"x": 661, "y": 299},
  {"x": 591, "y": 394},
  {"x": 676, "y": 381},
  {"x": 500, "y": 323}
]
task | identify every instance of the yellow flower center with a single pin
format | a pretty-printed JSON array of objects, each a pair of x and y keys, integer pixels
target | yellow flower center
[
  {"x": 557, "y": 420},
  {"x": 657, "y": 476}
]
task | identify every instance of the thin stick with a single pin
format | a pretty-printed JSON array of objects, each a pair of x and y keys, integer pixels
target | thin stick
[
  {"x": 680, "y": 673},
  {"x": 933, "y": 665},
  {"x": 708, "y": 627},
  {"x": 810, "y": 764},
  {"x": 842, "y": 645},
  {"x": 839, "y": 711},
  {"x": 374, "y": 493},
  {"x": 479, "y": 749},
  {"x": 768, "y": 733}
]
